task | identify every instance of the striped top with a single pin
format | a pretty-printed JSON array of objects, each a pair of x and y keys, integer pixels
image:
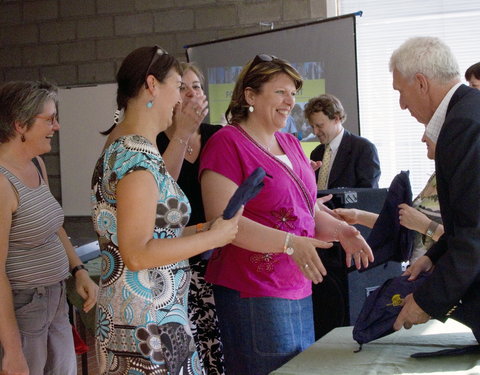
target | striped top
[{"x": 36, "y": 256}]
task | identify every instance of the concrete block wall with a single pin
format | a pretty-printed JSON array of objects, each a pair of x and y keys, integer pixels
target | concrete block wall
[{"x": 79, "y": 42}]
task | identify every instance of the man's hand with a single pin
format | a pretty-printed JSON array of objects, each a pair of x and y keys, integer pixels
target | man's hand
[{"x": 410, "y": 314}]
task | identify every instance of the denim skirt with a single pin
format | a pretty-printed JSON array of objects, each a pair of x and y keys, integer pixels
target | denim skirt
[{"x": 260, "y": 334}]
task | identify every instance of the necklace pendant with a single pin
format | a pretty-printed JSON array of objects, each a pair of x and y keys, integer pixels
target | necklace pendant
[{"x": 189, "y": 150}]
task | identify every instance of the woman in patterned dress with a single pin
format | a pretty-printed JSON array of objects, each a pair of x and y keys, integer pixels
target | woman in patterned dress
[{"x": 139, "y": 214}]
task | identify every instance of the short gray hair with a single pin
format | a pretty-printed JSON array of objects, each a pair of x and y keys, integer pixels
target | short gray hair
[
  {"x": 428, "y": 56},
  {"x": 21, "y": 101}
]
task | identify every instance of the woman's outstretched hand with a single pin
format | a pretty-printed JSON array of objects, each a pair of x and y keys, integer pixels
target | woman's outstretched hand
[
  {"x": 306, "y": 257},
  {"x": 355, "y": 246}
]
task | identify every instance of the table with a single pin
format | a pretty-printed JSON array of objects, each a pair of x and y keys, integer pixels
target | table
[{"x": 390, "y": 355}]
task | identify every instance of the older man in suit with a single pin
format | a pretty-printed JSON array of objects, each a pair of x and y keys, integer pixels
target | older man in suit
[
  {"x": 347, "y": 159},
  {"x": 426, "y": 75}
]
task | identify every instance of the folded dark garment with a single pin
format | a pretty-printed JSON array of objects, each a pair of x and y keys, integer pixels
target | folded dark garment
[
  {"x": 388, "y": 239},
  {"x": 246, "y": 191},
  {"x": 381, "y": 308},
  {"x": 469, "y": 349}
]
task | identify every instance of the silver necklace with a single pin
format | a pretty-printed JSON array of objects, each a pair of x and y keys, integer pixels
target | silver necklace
[{"x": 261, "y": 143}]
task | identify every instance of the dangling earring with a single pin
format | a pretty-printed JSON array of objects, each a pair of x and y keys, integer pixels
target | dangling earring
[
  {"x": 251, "y": 108},
  {"x": 22, "y": 138},
  {"x": 116, "y": 116},
  {"x": 150, "y": 104}
]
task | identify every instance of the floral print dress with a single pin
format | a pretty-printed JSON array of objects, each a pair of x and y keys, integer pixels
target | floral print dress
[{"x": 142, "y": 322}]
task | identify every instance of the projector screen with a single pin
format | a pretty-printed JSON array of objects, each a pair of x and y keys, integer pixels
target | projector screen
[{"x": 324, "y": 52}]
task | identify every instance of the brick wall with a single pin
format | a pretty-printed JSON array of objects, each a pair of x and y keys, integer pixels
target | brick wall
[{"x": 77, "y": 42}]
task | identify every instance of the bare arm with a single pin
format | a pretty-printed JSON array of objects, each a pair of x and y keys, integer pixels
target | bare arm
[
  {"x": 187, "y": 118},
  {"x": 329, "y": 228},
  {"x": 355, "y": 216},
  {"x": 137, "y": 196},
  {"x": 13, "y": 360},
  {"x": 85, "y": 286},
  {"x": 253, "y": 236},
  {"x": 417, "y": 221}
]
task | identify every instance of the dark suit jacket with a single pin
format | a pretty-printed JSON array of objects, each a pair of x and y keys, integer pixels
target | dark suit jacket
[
  {"x": 457, "y": 254},
  {"x": 356, "y": 164}
]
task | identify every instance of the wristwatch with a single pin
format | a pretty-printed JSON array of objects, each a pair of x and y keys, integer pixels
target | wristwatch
[
  {"x": 432, "y": 228},
  {"x": 78, "y": 268}
]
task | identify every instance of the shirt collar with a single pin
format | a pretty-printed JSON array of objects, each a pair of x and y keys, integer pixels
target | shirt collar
[
  {"x": 436, "y": 122},
  {"x": 335, "y": 142}
]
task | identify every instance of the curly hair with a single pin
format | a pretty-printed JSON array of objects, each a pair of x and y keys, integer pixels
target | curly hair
[{"x": 328, "y": 104}]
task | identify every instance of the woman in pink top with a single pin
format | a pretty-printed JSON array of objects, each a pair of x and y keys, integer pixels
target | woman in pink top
[{"x": 262, "y": 281}]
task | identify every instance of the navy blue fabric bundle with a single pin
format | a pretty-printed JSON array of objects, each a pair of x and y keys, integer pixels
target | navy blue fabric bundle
[
  {"x": 388, "y": 239},
  {"x": 382, "y": 307},
  {"x": 246, "y": 191}
]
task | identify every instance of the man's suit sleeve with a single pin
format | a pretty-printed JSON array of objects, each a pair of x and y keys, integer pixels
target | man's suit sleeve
[
  {"x": 367, "y": 167},
  {"x": 458, "y": 265}
]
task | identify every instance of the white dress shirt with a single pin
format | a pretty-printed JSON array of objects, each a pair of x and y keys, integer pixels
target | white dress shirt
[{"x": 436, "y": 122}]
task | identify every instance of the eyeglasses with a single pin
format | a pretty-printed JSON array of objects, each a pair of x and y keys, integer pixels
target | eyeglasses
[
  {"x": 257, "y": 60},
  {"x": 49, "y": 119},
  {"x": 159, "y": 51}
]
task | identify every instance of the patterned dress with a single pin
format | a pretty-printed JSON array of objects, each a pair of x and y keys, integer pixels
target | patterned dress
[
  {"x": 201, "y": 304},
  {"x": 427, "y": 203},
  {"x": 142, "y": 322}
]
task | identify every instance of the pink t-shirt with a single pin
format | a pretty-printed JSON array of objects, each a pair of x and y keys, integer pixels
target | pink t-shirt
[{"x": 286, "y": 202}]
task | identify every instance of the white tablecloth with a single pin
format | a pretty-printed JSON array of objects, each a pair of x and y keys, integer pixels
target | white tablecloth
[{"x": 334, "y": 353}]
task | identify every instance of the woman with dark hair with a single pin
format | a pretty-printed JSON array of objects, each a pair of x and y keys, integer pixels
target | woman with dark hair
[
  {"x": 180, "y": 146},
  {"x": 472, "y": 75},
  {"x": 140, "y": 216},
  {"x": 262, "y": 281},
  {"x": 35, "y": 252}
]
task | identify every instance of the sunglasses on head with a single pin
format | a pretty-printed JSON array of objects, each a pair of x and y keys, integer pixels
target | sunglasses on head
[
  {"x": 159, "y": 52},
  {"x": 259, "y": 59}
]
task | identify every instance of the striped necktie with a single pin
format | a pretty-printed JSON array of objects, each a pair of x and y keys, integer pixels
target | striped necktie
[{"x": 325, "y": 168}]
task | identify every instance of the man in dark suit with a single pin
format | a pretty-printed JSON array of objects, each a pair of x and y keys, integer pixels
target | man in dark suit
[
  {"x": 347, "y": 159},
  {"x": 426, "y": 75}
]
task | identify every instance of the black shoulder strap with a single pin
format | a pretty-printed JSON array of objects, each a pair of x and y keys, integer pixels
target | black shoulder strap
[{"x": 37, "y": 164}]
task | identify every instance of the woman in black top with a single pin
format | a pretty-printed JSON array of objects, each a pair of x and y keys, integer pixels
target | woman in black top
[{"x": 184, "y": 140}]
